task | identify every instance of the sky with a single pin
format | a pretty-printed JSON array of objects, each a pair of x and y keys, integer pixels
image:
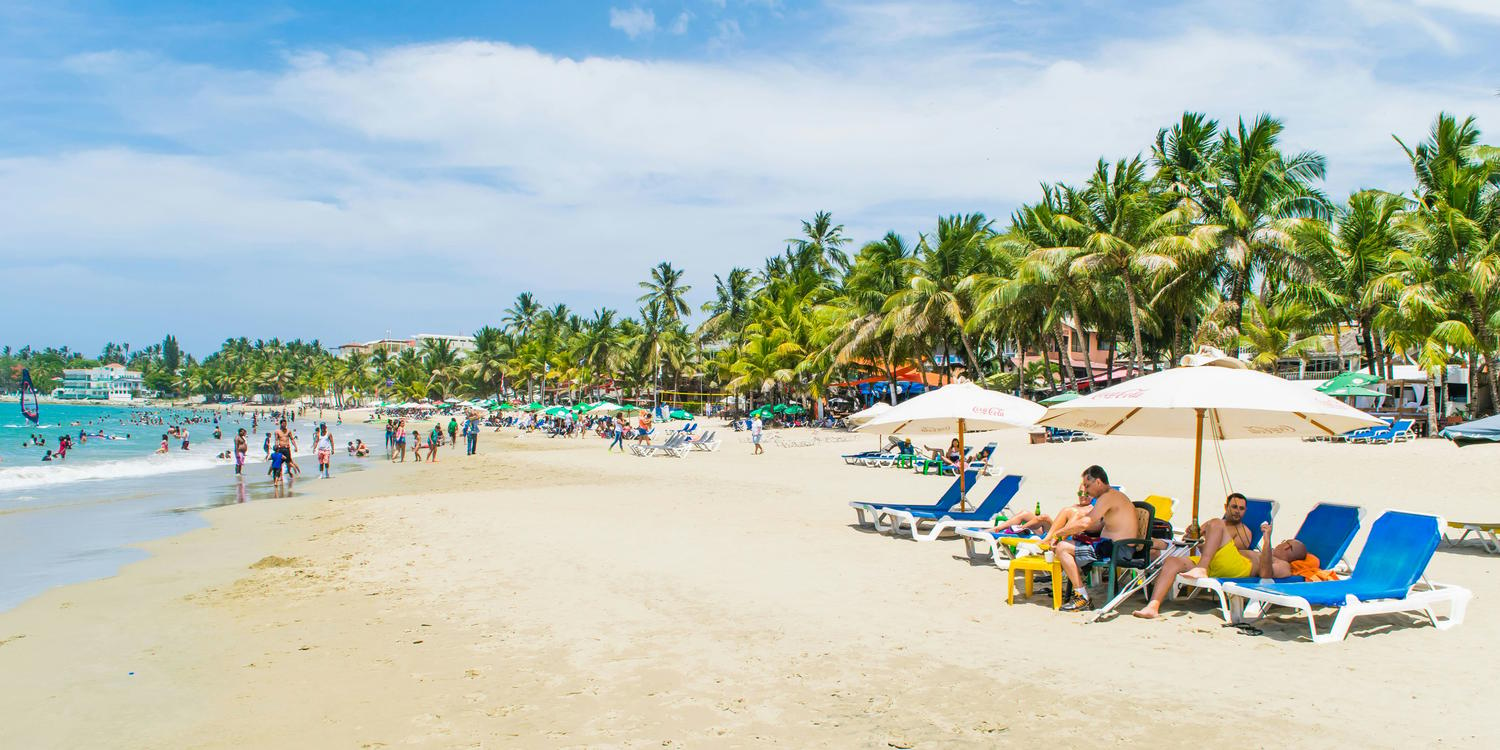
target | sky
[{"x": 338, "y": 170}]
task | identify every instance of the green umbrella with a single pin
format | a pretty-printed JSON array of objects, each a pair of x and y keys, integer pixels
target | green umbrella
[
  {"x": 558, "y": 411},
  {"x": 1347, "y": 379},
  {"x": 794, "y": 410},
  {"x": 680, "y": 414},
  {"x": 581, "y": 407},
  {"x": 1059, "y": 398},
  {"x": 627, "y": 409},
  {"x": 764, "y": 411},
  {"x": 1353, "y": 390},
  {"x": 534, "y": 406},
  {"x": 505, "y": 406},
  {"x": 779, "y": 408}
]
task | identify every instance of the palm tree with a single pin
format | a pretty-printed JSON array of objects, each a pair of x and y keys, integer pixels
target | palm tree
[
  {"x": 665, "y": 291},
  {"x": 729, "y": 310},
  {"x": 821, "y": 245},
  {"x": 1347, "y": 260},
  {"x": 520, "y": 316},
  {"x": 1248, "y": 195},
  {"x": 932, "y": 308},
  {"x": 1271, "y": 331},
  {"x": 1453, "y": 237}
]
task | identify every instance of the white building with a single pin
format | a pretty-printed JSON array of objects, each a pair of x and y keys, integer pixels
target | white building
[
  {"x": 461, "y": 344},
  {"x": 111, "y": 382}
]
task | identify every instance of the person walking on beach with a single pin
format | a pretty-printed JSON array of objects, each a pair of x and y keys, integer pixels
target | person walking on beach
[
  {"x": 267, "y": 447},
  {"x": 755, "y": 429},
  {"x": 241, "y": 447},
  {"x": 471, "y": 435},
  {"x": 324, "y": 446},
  {"x": 433, "y": 442},
  {"x": 453, "y": 430},
  {"x": 399, "y": 452},
  {"x": 618, "y": 427},
  {"x": 285, "y": 443}
]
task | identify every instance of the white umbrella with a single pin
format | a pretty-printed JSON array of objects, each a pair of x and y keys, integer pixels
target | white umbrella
[
  {"x": 960, "y": 408},
  {"x": 604, "y": 407},
  {"x": 1234, "y": 402},
  {"x": 864, "y": 415}
]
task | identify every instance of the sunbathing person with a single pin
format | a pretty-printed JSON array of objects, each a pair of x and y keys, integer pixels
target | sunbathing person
[
  {"x": 1110, "y": 517},
  {"x": 1040, "y": 523},
  {"x": 1227, "y": 557}
]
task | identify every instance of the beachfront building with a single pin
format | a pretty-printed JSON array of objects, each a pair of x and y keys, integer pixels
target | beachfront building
[
  {"x": 352, "y": 348},
  {"x": 458, "y": 343},
  {"x": 111, "y": 382}
]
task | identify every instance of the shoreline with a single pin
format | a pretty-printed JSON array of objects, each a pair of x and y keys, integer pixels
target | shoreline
[{"x": 551, "y": 596}]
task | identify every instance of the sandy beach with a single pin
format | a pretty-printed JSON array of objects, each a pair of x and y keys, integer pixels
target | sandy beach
[{"x": 547, "y": 594}]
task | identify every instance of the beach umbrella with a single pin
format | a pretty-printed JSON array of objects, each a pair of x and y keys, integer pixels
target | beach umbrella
[
  {"x": 579, "y": 407},
  {"x": 505, "y": 406},
  {"x": 1353, "y": 390},
  {"x": 604, "y": 407},
  {"x": 557, "y": 411},
  {"x": 1485, "y": 430},
  {"x": 1209, "y": 391},
  {"x": 794, "y": 410},
  {"x": 534, "y": 406},
  {"x": 864, "y": 415},
  {"x": 960, "y": 408},
  {"x": 1059, "y": 398},
  {"x": 1347, "y": 379},
  {"x": 628, "y": 409},
  {"x": 779, "y": 408}
]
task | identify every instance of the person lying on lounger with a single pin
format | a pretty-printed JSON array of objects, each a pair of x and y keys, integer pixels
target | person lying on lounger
[
  {"x": 1225, "y": 554},
  {"x": 1040, "y": 524}
]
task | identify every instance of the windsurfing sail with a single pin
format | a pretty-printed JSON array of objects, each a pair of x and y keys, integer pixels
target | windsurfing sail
[{"x": 29, "y": 408}]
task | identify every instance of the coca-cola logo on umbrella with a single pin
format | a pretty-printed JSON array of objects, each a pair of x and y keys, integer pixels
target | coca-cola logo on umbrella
[{"x": 1275, "y": 429}]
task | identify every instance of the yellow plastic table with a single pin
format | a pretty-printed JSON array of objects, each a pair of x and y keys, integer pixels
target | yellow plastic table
[{"x": 1028, "y": 566}]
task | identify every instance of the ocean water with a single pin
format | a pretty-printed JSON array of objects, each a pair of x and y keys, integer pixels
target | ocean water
[{"x": 74, "y": 520}]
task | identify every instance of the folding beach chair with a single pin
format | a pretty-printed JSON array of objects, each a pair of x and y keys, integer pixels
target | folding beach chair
[
  {"x": 1387, "y": 578},
  {"x": 1484, "y": 533},
  {"x": 1327, "y": 532},
  {"x": 983, "y": 515},
  {"x": 951, "y": 497}
]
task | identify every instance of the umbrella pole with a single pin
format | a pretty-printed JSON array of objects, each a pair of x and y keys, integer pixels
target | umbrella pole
[
  {"x": 963, "y": 496},
  {"x": 1192, "y": 529}
]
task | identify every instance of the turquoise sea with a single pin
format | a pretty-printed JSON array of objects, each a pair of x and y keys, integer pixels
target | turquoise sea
[{"x": 74, "y": 520}]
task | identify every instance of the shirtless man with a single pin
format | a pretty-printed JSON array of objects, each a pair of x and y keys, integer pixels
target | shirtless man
[
  {"x": 285, "y": 443},
  {"x": 241, "y": 447},
  {"x": 1111, "y": 517},
  {"x": 1226, "y": 553}
]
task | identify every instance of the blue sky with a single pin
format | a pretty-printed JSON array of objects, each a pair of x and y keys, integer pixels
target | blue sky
[{"x": 335, "y": 170}]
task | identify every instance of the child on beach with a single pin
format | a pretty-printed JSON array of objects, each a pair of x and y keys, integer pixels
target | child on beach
[
  {"x": 324, "y": 447},
  {"x": 276, "y": 468},
  {"x": 241, "y": 447},
  {"x": 164, "y": 447}
]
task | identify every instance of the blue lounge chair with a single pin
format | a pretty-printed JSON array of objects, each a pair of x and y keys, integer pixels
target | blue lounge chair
[
  {"x": 950, "y": 498},
  {"x": 1385, "y": 579},
  {"x": 939, "y": 521},
  {"x": 1327, "y": 532}
]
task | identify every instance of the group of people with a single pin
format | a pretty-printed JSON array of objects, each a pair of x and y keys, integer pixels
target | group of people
[
  {"x": 1085, "y": 532},
  {"x": 397, "y": 433}
]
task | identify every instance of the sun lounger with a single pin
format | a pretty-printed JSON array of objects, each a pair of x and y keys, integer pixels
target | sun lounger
[
  {"x": 1327, "y": 532},
  {"x": 1484, "y": 533},
  {"x": 947, "y": 500},
  {"x": 1387, "y": 578},
  {"x": 671, "y": 447},
  {"x": 707, "y": 442},
  {"x": 938, "y": 522},
  {"x": 981, "y": 544}
]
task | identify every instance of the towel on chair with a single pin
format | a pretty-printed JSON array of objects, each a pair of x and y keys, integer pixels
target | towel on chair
[{"x": 1308, "y": 568}]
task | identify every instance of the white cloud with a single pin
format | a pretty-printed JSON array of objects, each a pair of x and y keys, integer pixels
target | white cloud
[
  {"x": 1488, "y": 10},
  {"x": 634, "y": 21},
  {"x": 492, "y": 168},
  {"x": 680, "y": 25}
]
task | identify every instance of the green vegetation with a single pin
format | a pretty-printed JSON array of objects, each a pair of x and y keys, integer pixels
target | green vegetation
[{"x": 1216, "y": 236}]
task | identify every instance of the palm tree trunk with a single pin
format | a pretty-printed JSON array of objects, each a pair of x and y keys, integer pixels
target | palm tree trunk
[
  {"x": 971, "y": 363},
  {"x": 1088, "y": 361},
  {"x": 1135, "y": 327},
  {"x": 1236, "y": 296},
  {"x": 1492, "y": 379},
  {"x": 1064, "y": 367},
  {"x": 1432, "y": 415},
  {"x": 1109, "y": 364}
]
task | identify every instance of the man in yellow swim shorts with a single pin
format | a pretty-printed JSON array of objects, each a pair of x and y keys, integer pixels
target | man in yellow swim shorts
[{"x": 1225, "y": 553}]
